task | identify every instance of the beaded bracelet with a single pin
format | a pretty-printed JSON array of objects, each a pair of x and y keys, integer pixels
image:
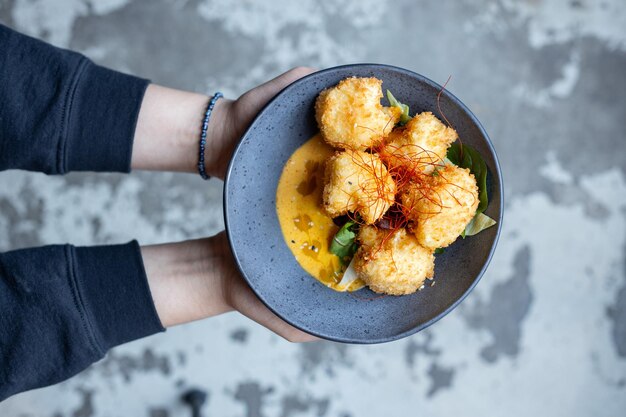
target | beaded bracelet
[{"x": 205, "y": 125}]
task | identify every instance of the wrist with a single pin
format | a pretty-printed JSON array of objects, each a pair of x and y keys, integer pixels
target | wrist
[
  {"x": 186, "y": 280},
  {"x": 169, "y": 125},
  {"x": 221, "y": 138}
]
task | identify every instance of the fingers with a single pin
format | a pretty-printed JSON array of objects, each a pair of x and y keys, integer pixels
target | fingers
[
  {"x": 286, "y": 78},
  {"x": 250, "y": 306},
  {"x": 241, "y": 298},
  {"x": 263, "y": 93},
  {"x": 238, "y": 295}
]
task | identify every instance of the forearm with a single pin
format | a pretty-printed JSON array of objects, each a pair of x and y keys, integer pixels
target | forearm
[
  {"x": 186, "y": 279},
  {"x": 89, "y": 118},
  {"x": 198, "y": 279},
  {"x": 168, "y": 132},
  {"x": 63, "y": 307}
]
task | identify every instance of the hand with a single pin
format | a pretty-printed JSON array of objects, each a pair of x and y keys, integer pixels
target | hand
[
  {"x": 237, "y": 115},
  {"x": 239, "y": 296},
  {"x": 197, "y": 279},
  {"x": 168, "y": 126}
]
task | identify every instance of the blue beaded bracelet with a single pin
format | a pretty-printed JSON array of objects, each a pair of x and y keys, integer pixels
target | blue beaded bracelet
[{"x": 205, "y": 125}]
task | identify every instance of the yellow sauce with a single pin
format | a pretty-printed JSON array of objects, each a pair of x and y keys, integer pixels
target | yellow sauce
[{"x": 307, "y": 230}]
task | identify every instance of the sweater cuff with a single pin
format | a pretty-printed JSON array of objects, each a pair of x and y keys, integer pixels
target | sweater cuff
[
  {"x": 114, "y": 291},
  {"x": 102, "y": 117}
]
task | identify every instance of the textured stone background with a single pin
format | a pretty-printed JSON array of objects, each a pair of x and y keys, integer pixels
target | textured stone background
[{"x": 544, "y": 334}]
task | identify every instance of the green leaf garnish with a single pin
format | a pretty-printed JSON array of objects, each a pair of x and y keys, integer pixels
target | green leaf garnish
[
  {"x": 404, "y": 117},
  {"x": 479, "y": 223},
  {"x": 439, "y": 250},
  {"x": 344, "y": 244},
  {"x": 467, "y": 157}
]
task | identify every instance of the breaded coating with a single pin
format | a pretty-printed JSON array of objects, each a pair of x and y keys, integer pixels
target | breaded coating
[
  {"x": 421, "y": 144},
  {"x": 358, "y": 182},
  {"x": 350, "y": 115},
  {"x": 441, "y": 208},
  {"x": 393, "y": 264}
]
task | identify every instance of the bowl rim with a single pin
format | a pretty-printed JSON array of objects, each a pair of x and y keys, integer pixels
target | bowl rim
[{"x": 498, "y": 174}]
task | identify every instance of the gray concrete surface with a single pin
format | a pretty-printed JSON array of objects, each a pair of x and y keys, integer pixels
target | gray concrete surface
[{"x": 544, "y": 334}]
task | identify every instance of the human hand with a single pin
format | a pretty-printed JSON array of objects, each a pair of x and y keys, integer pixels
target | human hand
[
  {"x": 197, "y": 279},
  {"x": 239, "y": 296},
  {"x": 234, "y": 117},
  {"x": 168, "y": 126}
]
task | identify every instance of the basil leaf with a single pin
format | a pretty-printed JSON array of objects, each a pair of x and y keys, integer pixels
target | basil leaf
[
  {"x": 344, "y": 244},
  {"x": 454, "y": 154},
  {"x": 467, "y": 157},
  {"x": 439, "y": 250},
  {"x": 479, "y": 223},
  {"x": 404, "y": 117}
]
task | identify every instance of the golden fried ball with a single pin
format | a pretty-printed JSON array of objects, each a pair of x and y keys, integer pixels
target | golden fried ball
[
  {"x": 350, "y": 115},
  {"x": 395, "y": 263},
  {"x": 358, "y": 182},
  {"x": 441, "y": 207},
  {"x": 421, "y": 144}
]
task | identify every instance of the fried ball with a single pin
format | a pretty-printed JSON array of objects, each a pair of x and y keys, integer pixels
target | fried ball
[
  {"x": 393, "y": 264},
  {"x": 421, "y": 144},
  {"x": 441, "y": 207},
  {"x": 350, "y": 115},
  {"x": 358, "y": 182}
]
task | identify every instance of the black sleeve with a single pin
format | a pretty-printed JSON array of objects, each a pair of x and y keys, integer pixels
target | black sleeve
[
  {"x": 63, "y": 307},
  {"x": 60, "y": 112}
]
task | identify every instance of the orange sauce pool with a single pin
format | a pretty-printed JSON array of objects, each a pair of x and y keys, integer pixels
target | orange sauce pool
[{"x": 307, "y": 230}]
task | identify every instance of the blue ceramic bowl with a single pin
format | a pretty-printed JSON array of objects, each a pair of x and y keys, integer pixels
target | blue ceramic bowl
[{"x": 267, "y": 263}]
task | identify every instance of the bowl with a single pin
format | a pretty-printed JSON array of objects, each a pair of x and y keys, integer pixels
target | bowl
[{"x": 270, "y": 268}]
